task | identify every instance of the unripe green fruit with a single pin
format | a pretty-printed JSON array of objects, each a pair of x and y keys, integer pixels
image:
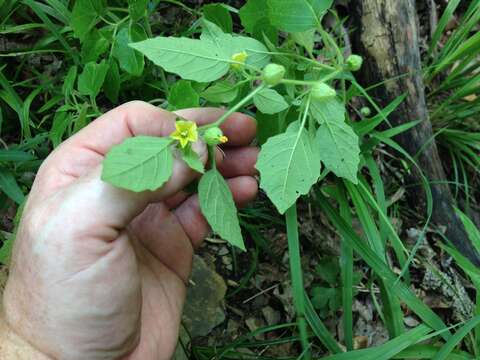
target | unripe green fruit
[
  {"x": 273, "y": 74},
  {"x": 321, "y": 91},
  {"x": 365, "y": 111},
  {"x": 354, "y": 62},
  {"x": 214, "y": 136}
]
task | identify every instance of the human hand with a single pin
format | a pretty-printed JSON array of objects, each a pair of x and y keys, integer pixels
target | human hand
[{"x": 99, "y": 272}]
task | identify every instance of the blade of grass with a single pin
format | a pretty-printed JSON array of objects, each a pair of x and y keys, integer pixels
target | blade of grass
[
  {"x": 446, "y": 349},
  {"x": 346, "y": 270},
  {"x": 296, "y": 275},
  {"x": 380, "y": 268},
  {"x": 388, "y": 350}
]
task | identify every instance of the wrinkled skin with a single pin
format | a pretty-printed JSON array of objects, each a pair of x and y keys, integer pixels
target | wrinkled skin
[{"x": 99, "y": 272}]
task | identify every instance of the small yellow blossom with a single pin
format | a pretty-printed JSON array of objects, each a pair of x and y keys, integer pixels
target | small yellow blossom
[
  {"x": 239, "y": 58},
  {"x": 185, "y": 132},
  {"x": 223, "y": 139}
]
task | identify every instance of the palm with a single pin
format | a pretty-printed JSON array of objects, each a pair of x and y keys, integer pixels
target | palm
[{"x": 106, "y": 266}]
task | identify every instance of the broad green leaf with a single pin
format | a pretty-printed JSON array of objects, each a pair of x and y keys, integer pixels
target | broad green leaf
[
  {"x": 192, "y": 159},
  {"x": 199, "y": 60},
  {"x": 257, "y": 52},
  {"x": 216, "y": 202},
  {"x": 61, "y": 121},
  {"x": 111, "y": 86},
  {"x": 129, "y": 60},
  {"x": 9, "y": 186},
  {"x": 267, "y": 126},
  {"x": 15, "y": 155},
  {"x": 93, "y": 46},
  {"x": 305, "y": 39},
  {"x": 85, "y": 15},
  {"x": 253, "y": 12},
  {"x": 268, "y": 101},
  {"x": 339, "y": 149},
  {"x": 219, "y": 15},
  {"x": 332, "y": 110},
  {"x": 90, "y": 81},
  {"x": 203, "y": 60},
  {"x": 137, "y": 9},
  {"x": 297, "y": 15},
  {"x": 182, "y": 95},
  {"x": 220, "y": 92},
  {"x": 387, "y": 350},
  {"x": 289, "y": 165},
  {"x": 139, "y": 163}
]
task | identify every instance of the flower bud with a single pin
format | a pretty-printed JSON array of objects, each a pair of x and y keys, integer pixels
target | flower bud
[
  {"x": 365, "y": 111},
  {"x": 214, "y": 136},
  {"x": 354, "y": 62},
  {"x": 321, "y": 91},
  {"x": 273, "y": 74},
  {"x": 239, "y": 59}
]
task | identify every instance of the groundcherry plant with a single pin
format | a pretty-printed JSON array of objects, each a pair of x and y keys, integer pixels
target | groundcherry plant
[{"x": 289, "y": 88}]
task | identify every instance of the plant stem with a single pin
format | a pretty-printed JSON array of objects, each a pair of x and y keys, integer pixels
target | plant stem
[
  {"x": 234, "y": 108},
  {"x": 297, "y": 276}
]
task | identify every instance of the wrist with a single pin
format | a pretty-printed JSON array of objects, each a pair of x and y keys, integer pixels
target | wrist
[{"x": 14, "y": 347}]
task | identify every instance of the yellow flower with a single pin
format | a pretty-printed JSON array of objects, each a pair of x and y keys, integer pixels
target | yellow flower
[
  {"x": 223, "y": 139},
  {"x": 185, "y": 132},
  {"x": 239, "y": 58}
]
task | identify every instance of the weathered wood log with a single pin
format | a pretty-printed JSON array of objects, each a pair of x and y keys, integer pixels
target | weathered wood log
[{"x": 386, "y": 35}]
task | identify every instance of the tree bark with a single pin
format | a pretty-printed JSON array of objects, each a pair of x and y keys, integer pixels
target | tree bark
[{"x": 386, "y": 35}]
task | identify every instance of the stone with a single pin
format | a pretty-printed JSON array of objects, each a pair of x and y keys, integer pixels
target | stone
[{"x": 203, "y": 309}]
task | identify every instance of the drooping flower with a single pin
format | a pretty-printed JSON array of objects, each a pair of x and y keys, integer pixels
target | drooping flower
[
  {"x": 239, "y": 59},
  {"x": 185, "y": 132},
  {"x": 214, "y": 136}
]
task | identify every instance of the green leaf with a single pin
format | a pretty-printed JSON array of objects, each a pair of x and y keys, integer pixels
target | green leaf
[
  {"x": 93, "y": 46},
  {"x": 6, "y": 249},
  {"x": 216, "y": 202},
  {"x": 61, "y": 120},
  {"x": 91, "y": 79},
  {"x": 129, "y": 60},
  {"x": 85, "y": 15},
  {"x": 387, "y": 350},
  {"x": 182, "y": 95},
  {"x": 305, "y": 39},
  {"x": 452, "y": 343},
  {"x": 253, "y": 12},
  {"x": 330, "y": 109},
  {"x": 9, "y": 186},
  {"x": 137, "y": 9},
  {"x": 268, "y": 101},
  {"x": 328, "y": 270},
  {"x": 339, "y": 149},
  {"x": 203, "y": 60},
  {"x": 199, "y": 60},
  {"x": 192, "y": 159},
  {"x": 69, "y": 81},
  {"x": 220, "y": 92},
  {"x": 257, "y": 52},
  {"x": 139, "y": 163},
  {"x": 297, "y": 15},
  {"x": 289, "y": 165},
  {"x": 219, "y": 15},
  {"x": 111, "y": 86},
  {"x": 15, "y": 155}
]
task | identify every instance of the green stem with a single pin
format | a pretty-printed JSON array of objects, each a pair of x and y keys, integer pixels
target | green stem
[
  {"x": 297, "y": 276},
  {"x": 234, "y": 108}
]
